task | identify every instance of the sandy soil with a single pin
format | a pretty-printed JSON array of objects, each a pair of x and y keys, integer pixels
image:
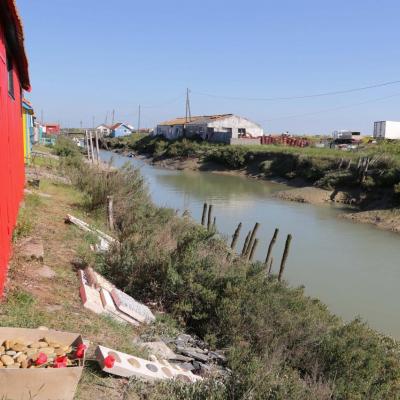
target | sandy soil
[{"x": 311, "y": 195}]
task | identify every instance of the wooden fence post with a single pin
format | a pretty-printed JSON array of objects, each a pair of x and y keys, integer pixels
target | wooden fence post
[
  {"x": 87, "y": 144},
  {"x": 271, "y": 245},
  {"x": 97, "y": 147},
  {"x": 110, "y": 212},
  {"x": 203, "y": 217},
  {"x": 91, "y": 145},
  {"x": 284, "y": 257},
  {"x": 210, "y": 207},
  {"x": 236, "y": 236}
]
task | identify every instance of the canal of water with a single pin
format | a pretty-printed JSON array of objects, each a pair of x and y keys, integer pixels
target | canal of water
[{"x": 353, "y": 268}]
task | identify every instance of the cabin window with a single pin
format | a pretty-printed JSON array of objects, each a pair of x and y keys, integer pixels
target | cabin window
[{"x": 10, "y": 74}]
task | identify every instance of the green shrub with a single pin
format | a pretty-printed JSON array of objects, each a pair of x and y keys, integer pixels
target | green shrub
[
  {"x": 363, "y": 364},
  {"x": 65, "y": 147},
  {"x": 338, "y": 179},
  {"x": 231, "y": 156}
]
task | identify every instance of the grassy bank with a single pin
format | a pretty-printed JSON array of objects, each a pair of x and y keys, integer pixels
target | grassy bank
[
  {"x": 375, "y": 185},
  {"x": 280, "y": 343}
]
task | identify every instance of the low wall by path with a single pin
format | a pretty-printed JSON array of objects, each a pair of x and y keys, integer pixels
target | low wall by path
[{"x": 244, "y": 141}]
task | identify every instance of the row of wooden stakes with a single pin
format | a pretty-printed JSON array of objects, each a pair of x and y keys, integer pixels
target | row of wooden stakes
[{"x": 251, "y": 242}]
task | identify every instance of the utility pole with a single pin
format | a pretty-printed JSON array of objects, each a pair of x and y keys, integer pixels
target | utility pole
[
  {"x": 188, "y": 113},
  {"x": 138, "y": 123},
  {"x": 113, "y": 115},
  {"x": 105, "y": 121},
  {"x": 81, "y": 124}
]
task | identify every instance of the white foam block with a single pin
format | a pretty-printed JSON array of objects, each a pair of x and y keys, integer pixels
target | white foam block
[
  {"x": 130, "y": 306},
  {"x": 126, "y": 365},
  {"x": 83, "y": 279},
  {"x": 103, "y": 282},
  {"x": 109, "y": 306},
  {"x": 91, "y": 299}
]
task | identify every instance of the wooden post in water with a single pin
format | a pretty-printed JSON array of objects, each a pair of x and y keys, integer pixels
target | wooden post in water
[
  {"x": 203, "y": 217},
  {"x": 253, "y": 249},
  {"x": 270, "y": 265},
  {"x": 214, "y": 225},
  {"x": 246, "y": 242},
  {"x": 236, "y": 236},
  {"x": 271, "y": 245},
  {"x": 284, "y": 257},
  {"x": 210, "y": 207},
  {"x": 252, "y": 237},
  {"x": 110, "y": 212}
]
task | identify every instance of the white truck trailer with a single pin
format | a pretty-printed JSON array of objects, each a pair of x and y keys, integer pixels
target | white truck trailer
[{"x": 387, "y": 130}]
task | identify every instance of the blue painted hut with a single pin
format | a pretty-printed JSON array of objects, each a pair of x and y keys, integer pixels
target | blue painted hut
[{"x": 120, "y": 130}]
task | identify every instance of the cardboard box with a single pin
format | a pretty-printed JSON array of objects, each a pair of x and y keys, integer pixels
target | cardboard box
[{"x": 39, "y": 383}]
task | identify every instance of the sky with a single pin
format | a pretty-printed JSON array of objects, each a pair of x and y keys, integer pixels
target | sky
[{"x": 89, "y": 57}]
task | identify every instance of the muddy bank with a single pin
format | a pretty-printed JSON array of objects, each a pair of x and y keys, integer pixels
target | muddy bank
[{"x": 383, "y": 219}]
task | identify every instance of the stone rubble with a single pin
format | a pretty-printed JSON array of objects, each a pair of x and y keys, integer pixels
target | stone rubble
[
  {"x": 191, "y": 354},
  {"x": 32, "y": 249}
]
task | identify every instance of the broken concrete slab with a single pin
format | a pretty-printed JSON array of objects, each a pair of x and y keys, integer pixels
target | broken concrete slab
[
  {"x": 193, "y": 354},
  {"x": 91, "y": 299},
  {"x": 110, "y": 309},
  {"x": 160, "y": 350},
  {"x": 126, "y": 365},
  {"x": 130, "y": 306},
  {"x": 32, "y": 248},
  {"x": 98, "y": 299}
]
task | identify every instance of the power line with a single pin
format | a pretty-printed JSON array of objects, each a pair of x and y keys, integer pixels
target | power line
[
  {"x": 308, "y": 96},
  {"x": 332, "y": 109}
]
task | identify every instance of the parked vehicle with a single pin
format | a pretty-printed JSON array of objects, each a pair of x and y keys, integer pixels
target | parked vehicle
[{"x": 387, "y": 130}]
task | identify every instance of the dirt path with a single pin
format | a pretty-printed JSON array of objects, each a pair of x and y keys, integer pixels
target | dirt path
[{"x": 46, "y": 293}]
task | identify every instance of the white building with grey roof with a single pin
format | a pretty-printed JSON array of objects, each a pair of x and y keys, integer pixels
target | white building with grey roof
[{"x": 221, "y": 128}]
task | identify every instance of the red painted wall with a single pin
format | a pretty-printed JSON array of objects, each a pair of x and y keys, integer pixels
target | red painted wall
[
  {"x": 52, "y": 129},
  {"x": 12, "y": 174}
]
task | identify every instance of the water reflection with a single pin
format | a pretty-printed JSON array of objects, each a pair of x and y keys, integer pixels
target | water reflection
[{"x": 353, "y": 268}]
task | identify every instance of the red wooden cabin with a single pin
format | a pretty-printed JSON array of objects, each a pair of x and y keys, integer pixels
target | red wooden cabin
[{"x": 14, "y": 78}]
